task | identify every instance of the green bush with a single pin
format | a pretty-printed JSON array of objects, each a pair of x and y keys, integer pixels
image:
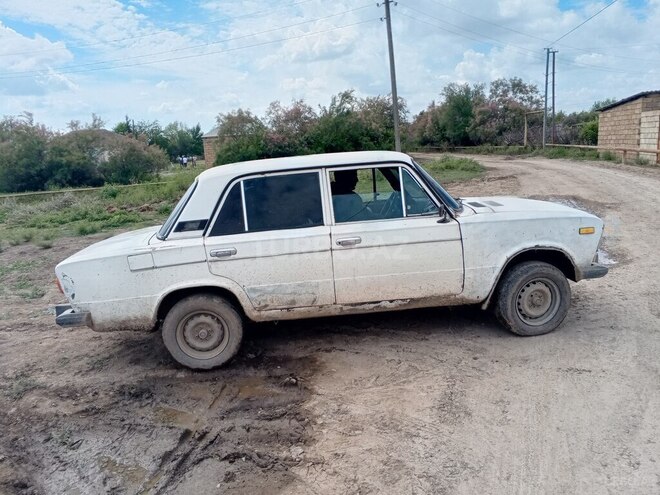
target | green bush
[{"x": 132, "y": 161}]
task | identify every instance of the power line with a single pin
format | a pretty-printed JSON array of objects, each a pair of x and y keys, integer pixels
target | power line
[
  {"x": 489, "y": 22},
  {"x": 585, "y": 21},
  {"x": 174, "y": 50},
  {"x": 493, "y": 40},
  {"x": 198, "y": 55},
  {"x": 129, "y": 38},
  {"x": 467, "y": 30}
]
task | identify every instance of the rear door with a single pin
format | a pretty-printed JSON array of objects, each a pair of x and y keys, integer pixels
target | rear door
[
  {"x": 391, "y": 244},
  {"x": 270, "y": 237}
]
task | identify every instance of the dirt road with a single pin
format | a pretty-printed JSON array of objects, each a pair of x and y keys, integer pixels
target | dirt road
[{"x": 434, "y": 401}]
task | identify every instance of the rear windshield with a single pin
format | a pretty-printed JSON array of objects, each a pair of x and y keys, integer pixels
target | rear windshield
[{"x": 171, "y": 220}]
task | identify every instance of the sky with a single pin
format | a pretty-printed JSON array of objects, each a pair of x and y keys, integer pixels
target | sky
[{"x": 190, "y": 60}]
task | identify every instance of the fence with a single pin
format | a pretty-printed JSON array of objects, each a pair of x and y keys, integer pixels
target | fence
[
  {"x": 76, "y": 190},
  {"x": 624, "y": 151}
]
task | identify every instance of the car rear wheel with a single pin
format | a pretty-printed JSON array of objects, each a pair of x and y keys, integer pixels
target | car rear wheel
[
  {"x": 533, "y": 298},
  {"x": 203, "y": 331}
]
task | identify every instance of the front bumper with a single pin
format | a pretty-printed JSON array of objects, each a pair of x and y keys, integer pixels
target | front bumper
[
  {"x": 66, "y": 316},
  {"x": 594, "y": 271}
]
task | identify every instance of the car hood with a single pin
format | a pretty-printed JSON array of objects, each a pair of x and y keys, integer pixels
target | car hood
[
  {"x": 123, "y": 244},
  {"x": 508, "y": 204}
]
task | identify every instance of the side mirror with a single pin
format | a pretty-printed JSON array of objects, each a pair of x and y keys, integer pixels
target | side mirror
[{"x": 442, "y": 212}]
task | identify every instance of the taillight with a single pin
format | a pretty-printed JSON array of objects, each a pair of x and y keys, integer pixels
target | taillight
[{"x": 59, "y": 285}]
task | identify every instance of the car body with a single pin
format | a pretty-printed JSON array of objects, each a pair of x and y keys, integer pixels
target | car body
[{"x": 288, "y": 238}]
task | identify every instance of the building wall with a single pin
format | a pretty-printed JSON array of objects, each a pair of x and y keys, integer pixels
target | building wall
[
  {"x": 619, "y": 126},
  {"x": 635, "y": 124},
  {"x": 210, "y": 150},
  {"x": 648, "y": 136}
]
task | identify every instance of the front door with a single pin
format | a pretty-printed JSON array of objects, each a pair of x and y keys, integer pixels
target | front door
[
  {"x": 270, "y": 237},
  {"x": 388, "y": 241}
]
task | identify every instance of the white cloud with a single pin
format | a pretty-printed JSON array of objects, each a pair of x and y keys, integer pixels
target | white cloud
[{"x": 438, "y": 47}]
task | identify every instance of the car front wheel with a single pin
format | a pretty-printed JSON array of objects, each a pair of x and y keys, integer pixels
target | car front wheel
[
  {"x": 202, "y": 331},
  {"x": 533, "y": 298}
]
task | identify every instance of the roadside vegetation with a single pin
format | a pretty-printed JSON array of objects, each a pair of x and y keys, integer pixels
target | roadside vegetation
[
  {"x": 453, "y": 169},
  {"x": 42, "y": 219}
]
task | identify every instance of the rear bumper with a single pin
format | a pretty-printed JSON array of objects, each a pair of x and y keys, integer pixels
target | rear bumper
[
  {"x": 66, "y": 316},
  {"x": 594, "y": 271}
]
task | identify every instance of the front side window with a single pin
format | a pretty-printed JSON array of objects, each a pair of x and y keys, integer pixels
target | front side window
[
  {"x": 375, "y": 194},
  {"x": 366, "y": 194},
  {"x": 416, "y": 199},
  {"x": 273, "y": 202}
]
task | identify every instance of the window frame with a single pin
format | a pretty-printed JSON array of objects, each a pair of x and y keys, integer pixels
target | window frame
[
  {"x": 399, "y": 165},
  {"x": 241, "y": 181}
]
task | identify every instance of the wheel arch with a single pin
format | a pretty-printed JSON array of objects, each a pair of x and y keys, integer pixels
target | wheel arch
[
  {"x": 168, "y": 301},
  {"x": 551, "y": 255}
]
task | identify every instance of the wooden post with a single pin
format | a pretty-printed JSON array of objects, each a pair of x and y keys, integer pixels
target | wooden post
[
  {"x": 625, "y": 153},
  {"x": 525, "y": 137}
]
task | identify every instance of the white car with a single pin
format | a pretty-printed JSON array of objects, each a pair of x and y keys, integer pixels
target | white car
[{"x": 321, "y": 235}]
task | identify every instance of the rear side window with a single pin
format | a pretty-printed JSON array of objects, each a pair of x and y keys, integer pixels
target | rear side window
[
  {"x": 274, "y": 202},
  {"x": 230, "y": 219},
  {"x": 277, "y": 202}
]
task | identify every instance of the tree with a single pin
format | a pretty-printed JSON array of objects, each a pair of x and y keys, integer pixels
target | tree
[
  {"x": 458, "y": 111},
  {"x": 289, "y": 128},
  {"x": 242, "y": 137},
  {"x": 96, "y": 123},
  {"x": 501, "y": 119},
  {"x": 23, "y": 149},
  {"x": 377, "y": 115},
  {"x": 602, "y": 103},
  {"x": 339, "y": 127},
  {"x": 73, "y": 159}
]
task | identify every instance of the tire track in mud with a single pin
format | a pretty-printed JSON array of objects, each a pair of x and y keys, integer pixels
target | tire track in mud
[{"x": 153, "y": 428}]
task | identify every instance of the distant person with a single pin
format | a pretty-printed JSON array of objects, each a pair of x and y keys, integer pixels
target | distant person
[{"x": 185, "y": 161}]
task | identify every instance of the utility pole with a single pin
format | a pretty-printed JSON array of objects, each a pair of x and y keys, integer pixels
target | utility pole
[
  {"x": 395, "y": 98},
  {"x": 554, "y": 127},
  {"x": 545, "y": 107}
]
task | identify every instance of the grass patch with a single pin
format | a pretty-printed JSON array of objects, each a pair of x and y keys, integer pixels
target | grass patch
[
  {"x": 20, "y": 266},
  {"x": 25, "y": 288},
  {"x": 485, "y": 149},
  {"x": 41, "y": 219},
  {"x": 453, "y": 169},
  {"x": 20, "y": 385}
]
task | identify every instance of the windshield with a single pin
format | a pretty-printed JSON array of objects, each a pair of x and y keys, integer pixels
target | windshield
[
  {"x": 437, "y": 188},
  {"x": 169, "y": 223}
]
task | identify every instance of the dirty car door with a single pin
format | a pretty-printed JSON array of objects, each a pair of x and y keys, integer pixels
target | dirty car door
[
  {"x": 269, "y": 236},
  {"x": 400, "y": 248}
]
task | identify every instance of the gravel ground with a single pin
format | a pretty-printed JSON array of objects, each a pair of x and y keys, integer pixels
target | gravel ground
[{"x": 431, "y": 401}]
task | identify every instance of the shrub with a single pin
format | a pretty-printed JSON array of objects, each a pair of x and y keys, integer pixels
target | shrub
[{"x": 132, "y": 161}]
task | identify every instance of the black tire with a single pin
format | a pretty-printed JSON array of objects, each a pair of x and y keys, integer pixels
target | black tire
[
  {"x": 203, "y": 331},
  {"x": 533, "y": 298}
]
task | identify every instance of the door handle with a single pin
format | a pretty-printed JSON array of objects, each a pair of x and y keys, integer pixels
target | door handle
[
  {"x": 349, "y": 241},
  {"x": 222, "y": 253}
]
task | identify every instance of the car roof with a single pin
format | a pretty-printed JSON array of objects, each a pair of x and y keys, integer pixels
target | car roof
[{"x": 304, "y": 161}]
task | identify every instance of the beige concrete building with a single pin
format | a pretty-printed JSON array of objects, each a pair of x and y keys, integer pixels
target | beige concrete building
[
  {"x": 211, "y": 141},
  {"x": 632, "y": 123}
]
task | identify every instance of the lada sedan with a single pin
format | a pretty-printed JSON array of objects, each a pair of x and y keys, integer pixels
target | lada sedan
[{"x": 321, "y": 235}]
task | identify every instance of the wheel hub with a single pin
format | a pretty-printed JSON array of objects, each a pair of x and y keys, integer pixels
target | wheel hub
[
  {"x": 203, "y": 332},
  {"x": 537, "y": 302}
]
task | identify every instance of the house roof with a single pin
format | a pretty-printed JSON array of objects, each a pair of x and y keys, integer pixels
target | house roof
[
  {"x": 213, "y": 133},
  {"x": 629, "y": 99}
]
